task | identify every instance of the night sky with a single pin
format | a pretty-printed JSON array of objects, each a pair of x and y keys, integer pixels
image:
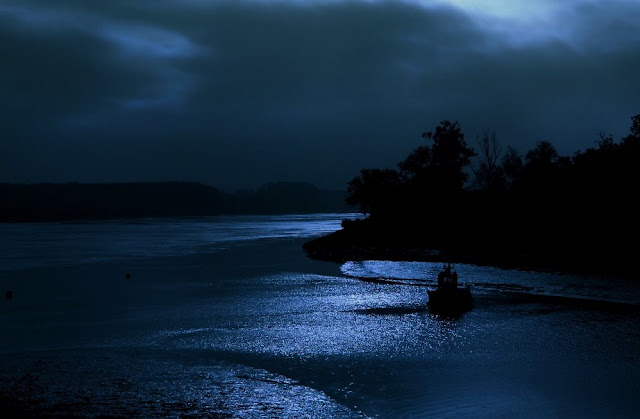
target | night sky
[{"x": 238, "y": 93}]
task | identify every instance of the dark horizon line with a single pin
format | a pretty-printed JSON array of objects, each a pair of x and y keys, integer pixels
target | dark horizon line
[{"x": 175, "y": 182}]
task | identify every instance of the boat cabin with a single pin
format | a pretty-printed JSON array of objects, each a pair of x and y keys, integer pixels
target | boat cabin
[
  {"x": 448, "y": 298},
  {"x": 448, "y": 278}
]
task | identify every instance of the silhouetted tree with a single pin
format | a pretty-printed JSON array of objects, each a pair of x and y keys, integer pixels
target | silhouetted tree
[
  {"x": 489, "y": 175},
  {"x": 635, "y": 125},
  {"x": 539, "y": 169},
  {"x": 627, "y": 162},
  {"x": 630, "y": 147},
  {"x": 512, "y": 165},
  {"x": 440, "y": 167},
  {"x": 553, "y": 211},
  {"x": 543, "y": 154},
  {"x": 605, "y": 141},
  {"x": 374, "y": 191},
  {"x": 415, "y": 167},
  {"x": 450, "y": 155}
]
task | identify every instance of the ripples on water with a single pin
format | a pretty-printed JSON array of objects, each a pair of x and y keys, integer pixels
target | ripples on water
[
  {"x": 215, "y": 323},
  {"x": 27, "y": 245},
  {"x": 489, "y": 280}
]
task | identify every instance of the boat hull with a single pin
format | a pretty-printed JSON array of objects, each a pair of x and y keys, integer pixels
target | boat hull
[{"x": 456, "y": 300}]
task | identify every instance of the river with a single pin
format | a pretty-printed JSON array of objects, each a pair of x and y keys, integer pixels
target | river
[{"x": 226, "y": 317}]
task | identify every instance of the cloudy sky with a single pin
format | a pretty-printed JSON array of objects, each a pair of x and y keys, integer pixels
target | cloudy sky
[{"x": 239, "y": 93}]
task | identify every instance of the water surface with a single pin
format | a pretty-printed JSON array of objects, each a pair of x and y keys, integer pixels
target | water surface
[{"x": 226, "y": 316}]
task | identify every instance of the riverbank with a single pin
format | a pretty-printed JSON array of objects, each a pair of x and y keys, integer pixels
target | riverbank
[{"x": 359, "y": 241}]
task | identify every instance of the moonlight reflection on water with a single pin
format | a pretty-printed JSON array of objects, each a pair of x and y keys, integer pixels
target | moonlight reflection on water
[{"x": 253, "y": 328}]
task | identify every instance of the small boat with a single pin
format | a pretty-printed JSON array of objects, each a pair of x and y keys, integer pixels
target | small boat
[{"x": 449, "y": 298}]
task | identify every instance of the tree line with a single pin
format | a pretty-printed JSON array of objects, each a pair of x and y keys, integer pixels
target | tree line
[
  {"x": 493, "y": 205},
  {"x": 80, "y": 201}
]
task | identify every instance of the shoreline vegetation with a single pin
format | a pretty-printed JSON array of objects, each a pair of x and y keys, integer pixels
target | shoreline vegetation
[
  {"x": 539, "y": 211},
  {"x": 348, "y": 244}
]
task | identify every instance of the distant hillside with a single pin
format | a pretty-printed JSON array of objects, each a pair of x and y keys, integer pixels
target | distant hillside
[{"x": 49, "y": 201}]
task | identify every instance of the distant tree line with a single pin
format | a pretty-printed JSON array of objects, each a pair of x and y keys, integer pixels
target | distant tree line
[
  {"x": 288, "y": 197},
  {"x": 71, "y": 201},
  {"x": 540, "y": 208}
]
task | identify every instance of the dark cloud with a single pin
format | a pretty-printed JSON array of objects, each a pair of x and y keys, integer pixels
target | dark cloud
[{"x": 239, "y": 93}]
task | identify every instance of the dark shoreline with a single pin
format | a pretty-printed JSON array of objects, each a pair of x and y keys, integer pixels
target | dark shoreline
[{"x": 346, "y": 245}]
